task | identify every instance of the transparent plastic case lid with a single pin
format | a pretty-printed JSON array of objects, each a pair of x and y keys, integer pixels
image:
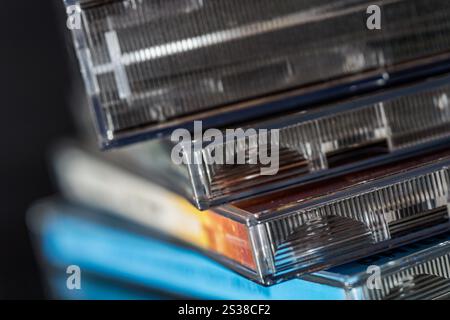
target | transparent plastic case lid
[
  {"x": 343, "y": 136},
  {"x": 150, "y": 66},
  {"x": 316, "y": 227}
]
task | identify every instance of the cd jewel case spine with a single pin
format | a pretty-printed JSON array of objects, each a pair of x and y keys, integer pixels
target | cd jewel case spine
[
  {"x": 418, "y": 271},
  {"x": 357, "y": 222},
  {"x": 152, "y": 66},
  {"x": 272, "y": 245},
  {"x": 342, "y": 136}
]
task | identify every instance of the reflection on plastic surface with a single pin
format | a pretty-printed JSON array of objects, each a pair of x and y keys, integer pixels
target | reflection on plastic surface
[{"x": 147, "y": 63}]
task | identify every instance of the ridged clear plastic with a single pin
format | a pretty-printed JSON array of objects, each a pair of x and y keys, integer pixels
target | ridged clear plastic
[
  {"x": 413, "y": 272},
  {"x": 341, "y": 136},
  {"x": 429, "y": 280},
  {"x": 305, "y": 235},
  {"x": 150, "y": 65}
]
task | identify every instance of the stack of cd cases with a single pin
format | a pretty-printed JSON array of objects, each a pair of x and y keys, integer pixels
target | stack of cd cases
[{"x": 269, "y": 149}]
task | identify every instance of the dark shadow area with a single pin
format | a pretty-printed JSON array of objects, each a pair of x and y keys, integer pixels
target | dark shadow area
[{"x": 35, "y": 91}]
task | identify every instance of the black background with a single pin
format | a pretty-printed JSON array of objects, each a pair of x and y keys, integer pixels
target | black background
[{"x": 35, "y": 88}]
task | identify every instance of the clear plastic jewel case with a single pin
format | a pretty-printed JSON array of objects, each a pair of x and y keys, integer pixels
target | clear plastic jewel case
[
  {"x": 304, "y": 232},
  {"x": 151, "y": 66},
  {"x": 342, "y": 136}
]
